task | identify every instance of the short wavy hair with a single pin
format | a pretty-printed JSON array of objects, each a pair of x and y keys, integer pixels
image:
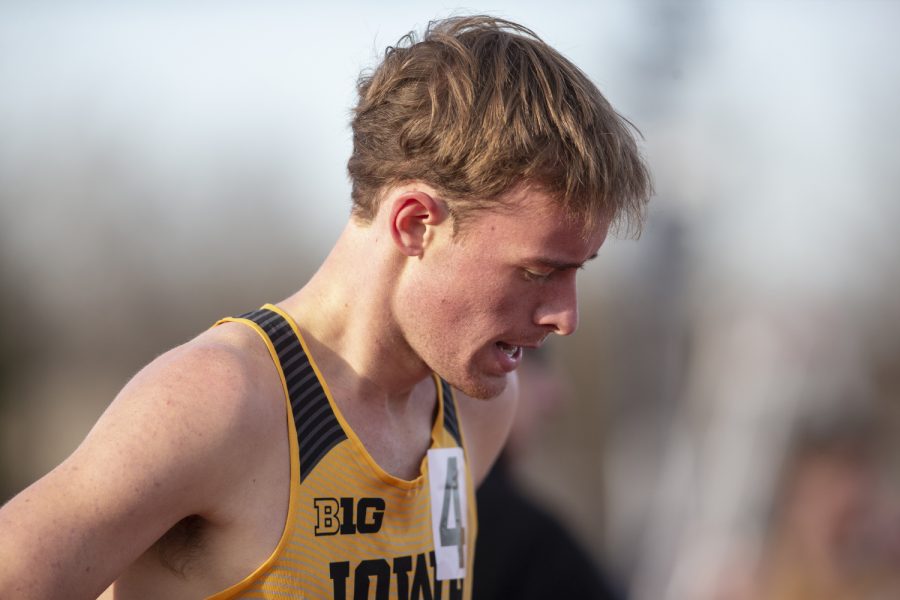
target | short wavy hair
[{"x": 480, "y": 106}]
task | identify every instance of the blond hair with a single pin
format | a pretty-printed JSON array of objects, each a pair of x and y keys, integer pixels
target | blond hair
[{"x": 482, "y": 105}]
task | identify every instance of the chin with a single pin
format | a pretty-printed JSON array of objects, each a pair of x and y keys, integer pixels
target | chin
[{"x": 483, "y": 388}]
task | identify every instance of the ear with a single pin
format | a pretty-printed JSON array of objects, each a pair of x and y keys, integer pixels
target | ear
[{"x": 413, "y": 213}]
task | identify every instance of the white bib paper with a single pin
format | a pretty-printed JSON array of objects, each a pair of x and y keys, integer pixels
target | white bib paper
[{"x": 447, "y": 484}]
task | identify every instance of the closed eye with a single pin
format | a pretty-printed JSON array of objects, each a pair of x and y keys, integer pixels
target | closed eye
[{"x": 533, "y": 275}]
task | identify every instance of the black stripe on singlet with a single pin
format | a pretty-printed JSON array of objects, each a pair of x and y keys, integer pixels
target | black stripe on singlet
[
  {"x": 318, "y": 429},
  {"x": 451, "y": 423}
]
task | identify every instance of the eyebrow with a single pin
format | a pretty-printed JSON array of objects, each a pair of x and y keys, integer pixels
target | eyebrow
[{"x": 561, "y": 266}]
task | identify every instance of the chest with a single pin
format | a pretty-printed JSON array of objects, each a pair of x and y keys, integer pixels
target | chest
[{"x": 398, "y": 448}]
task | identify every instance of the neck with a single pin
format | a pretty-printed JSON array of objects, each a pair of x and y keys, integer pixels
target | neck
[{"x": 345, "y": 315}]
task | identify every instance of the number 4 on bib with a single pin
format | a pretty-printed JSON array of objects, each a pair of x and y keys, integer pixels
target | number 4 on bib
[{"x": 447, "y": 484}]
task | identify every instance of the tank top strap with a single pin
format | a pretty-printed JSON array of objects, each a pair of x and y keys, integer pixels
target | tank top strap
[
  {"x": 318, "y": 428},
  {"x": 451, "y": 421}
]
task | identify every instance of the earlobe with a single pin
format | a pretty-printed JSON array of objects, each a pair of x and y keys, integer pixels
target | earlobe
[{"x": 412, "y": 214}]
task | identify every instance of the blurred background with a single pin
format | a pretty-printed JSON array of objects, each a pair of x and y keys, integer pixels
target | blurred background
[{"x": 730, "y": 429}]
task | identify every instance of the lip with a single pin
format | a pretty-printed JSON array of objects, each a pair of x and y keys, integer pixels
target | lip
[
  {"x": 508, "y": 363},
  {"x": 530, "y": 343}
]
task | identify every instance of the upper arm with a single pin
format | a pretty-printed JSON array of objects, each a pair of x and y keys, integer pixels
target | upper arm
[
  {"x": 160, "y": 452},
  {"x": 486, "y": 424}
]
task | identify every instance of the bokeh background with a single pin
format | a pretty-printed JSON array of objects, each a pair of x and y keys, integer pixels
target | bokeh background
[{"x": 735, "y": 381}]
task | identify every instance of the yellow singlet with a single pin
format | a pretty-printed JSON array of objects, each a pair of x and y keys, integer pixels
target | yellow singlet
[{"x": 353, "y": 531}]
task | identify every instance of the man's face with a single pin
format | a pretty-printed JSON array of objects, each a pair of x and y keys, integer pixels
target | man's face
[{"x": 473, "y": 303}]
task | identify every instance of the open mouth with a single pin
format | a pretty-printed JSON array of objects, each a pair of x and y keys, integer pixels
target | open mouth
[{"x": 514, "y": 352}]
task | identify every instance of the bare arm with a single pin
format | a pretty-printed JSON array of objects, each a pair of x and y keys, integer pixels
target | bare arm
[
  {"x": 163, "y": 450},
  {"x": 486, "y": 425}
]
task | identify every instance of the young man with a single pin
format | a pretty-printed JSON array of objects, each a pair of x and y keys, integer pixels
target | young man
[{"x": 328, "y": 446}]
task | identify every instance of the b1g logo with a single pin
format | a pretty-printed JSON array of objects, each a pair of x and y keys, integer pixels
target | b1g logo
[{"x": 347, "y": 516}]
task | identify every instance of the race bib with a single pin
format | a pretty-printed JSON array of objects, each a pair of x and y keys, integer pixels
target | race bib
[{"x": 447, "y": 484}]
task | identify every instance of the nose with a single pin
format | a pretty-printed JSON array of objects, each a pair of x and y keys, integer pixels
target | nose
[{"x": 558, "y": 310}]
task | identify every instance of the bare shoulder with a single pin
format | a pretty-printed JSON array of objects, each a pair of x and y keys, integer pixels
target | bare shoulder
[
  {"x": 486, "y": 425},
  {"x": 164, "y": 449},
  {"x": 194, "y": 402},
  {"x": 215, "y": 381}
]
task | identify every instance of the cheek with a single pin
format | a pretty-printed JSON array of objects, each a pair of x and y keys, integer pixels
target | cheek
[
  {"x": 473, "y": 291},
  {"x": 441, "y": 305},
  {"x": 492, "y": 297}
]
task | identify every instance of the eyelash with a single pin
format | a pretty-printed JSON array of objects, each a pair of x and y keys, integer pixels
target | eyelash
[{"x": 532, "y": 276}]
